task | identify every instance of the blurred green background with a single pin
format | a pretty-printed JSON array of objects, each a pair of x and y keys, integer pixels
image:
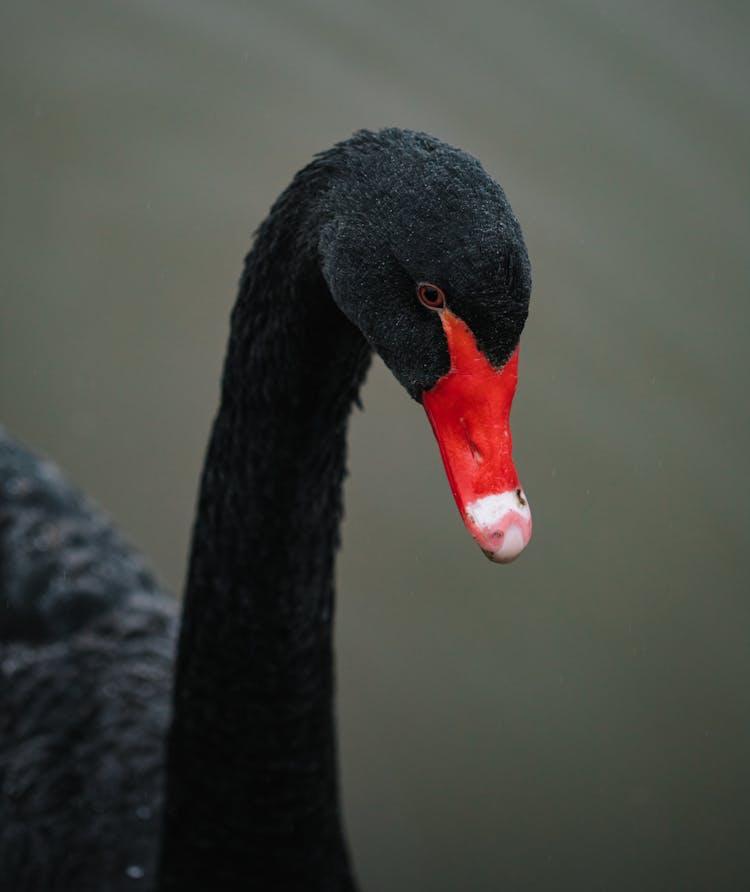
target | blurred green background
[{"x": 580, "y": 719}]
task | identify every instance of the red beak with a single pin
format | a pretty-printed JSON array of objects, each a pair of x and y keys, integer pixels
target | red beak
[{"x": 469, "y": 410}]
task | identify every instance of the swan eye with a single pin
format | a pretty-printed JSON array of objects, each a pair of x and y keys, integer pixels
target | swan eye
[{"x": 431, "y": 296}]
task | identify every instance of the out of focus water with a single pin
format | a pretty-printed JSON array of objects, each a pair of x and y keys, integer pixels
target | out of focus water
[{"x": 581, "y": 719}]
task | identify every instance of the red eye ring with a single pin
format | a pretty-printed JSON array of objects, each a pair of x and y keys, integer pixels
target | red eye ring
[{"x": 431, "y": 296}]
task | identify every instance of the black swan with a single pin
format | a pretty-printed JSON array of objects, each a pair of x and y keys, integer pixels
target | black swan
[{"x": 391, "y": 241}]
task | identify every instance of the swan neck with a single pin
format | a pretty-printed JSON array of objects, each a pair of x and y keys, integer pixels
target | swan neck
[{"x": 251, "y": 772}]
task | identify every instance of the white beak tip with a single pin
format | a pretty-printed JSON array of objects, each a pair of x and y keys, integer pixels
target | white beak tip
[
  {"x": 512, "y": 544},
  {"x": 501, "y": 525}
]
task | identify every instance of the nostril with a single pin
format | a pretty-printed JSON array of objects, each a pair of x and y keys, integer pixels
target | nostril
[
  {"x": 475, "y": 450},
  {"x": 498, "y": 534}
]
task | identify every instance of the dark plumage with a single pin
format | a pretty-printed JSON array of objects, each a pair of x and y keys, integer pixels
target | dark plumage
[
  {"x": 86, "y": 653},
  {"x": 251, "y": 783}
]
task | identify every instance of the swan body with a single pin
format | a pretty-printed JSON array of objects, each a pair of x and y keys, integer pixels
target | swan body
[
  {"x": 391, "y": 241},
  {"x": 86, "y": 658}
]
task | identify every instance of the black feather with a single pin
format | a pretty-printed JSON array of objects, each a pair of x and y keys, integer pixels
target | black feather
[{"x": 248, "y": 794}]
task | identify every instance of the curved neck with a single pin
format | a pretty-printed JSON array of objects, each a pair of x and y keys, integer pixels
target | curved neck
[{"x": 251, "y": 770}]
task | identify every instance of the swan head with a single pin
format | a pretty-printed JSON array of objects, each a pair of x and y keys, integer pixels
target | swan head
[{"x": 421, "y": 251}]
